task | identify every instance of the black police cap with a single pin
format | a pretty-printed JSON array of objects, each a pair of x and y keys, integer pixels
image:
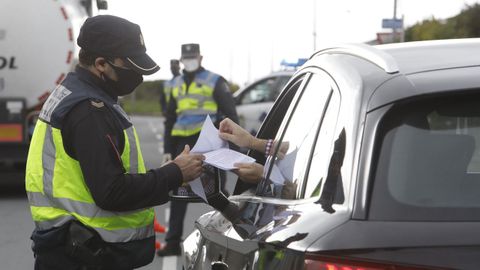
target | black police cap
[{"x": 112, "y": 36}]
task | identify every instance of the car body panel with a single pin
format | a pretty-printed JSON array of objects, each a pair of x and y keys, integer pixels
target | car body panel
[{"x": 447, "y": 244}]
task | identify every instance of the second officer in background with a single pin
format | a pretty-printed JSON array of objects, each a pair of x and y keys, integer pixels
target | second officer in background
[{"x": 196, "y": 94}]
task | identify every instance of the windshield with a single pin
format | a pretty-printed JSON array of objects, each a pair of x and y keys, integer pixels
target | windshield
[{"x": 428, "y": 161}]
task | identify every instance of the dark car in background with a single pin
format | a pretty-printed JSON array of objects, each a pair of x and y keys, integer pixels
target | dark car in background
[{"x": 382, "y": 169}]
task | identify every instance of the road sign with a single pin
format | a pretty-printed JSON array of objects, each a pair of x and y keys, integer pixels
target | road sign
[{"x": 392, "y": 23}]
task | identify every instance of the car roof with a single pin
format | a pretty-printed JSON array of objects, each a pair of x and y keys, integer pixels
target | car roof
[
  {"x": 412, "y": 57},
  {"x": 386, "y": 73}
]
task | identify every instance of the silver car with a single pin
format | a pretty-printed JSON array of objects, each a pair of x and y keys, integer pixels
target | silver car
[{"x": 382, "y": 169}]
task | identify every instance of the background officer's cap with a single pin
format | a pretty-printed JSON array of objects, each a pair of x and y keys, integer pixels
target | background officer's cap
[{"x": 191, "y": 50}]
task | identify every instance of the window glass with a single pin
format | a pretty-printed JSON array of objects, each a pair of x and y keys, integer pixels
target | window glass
[
  {"x": 319, "y": 166},
  {"x": 281, "y": 82},
  {"x": 280, "y": 109},
  {"x": 286, "y": 169},
  {"x": 260, "y": 92},
  {"x": 428, "y": 165}
]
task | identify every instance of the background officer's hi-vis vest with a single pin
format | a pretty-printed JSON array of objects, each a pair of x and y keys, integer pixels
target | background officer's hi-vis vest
[
  {"x": 55, "y": 186},
  {"x": 193, "y": 107}
]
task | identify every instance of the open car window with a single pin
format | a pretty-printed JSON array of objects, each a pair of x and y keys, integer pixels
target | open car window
[
  {"x": 271, "y": 126},
  {"x": 285, "y": 171}
]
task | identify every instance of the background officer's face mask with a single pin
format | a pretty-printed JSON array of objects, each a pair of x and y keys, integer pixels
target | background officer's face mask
[
  {"x": 191, "y": 65},
  {"x": 127, "y": 80}
]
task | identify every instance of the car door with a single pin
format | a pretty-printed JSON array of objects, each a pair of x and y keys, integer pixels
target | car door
[{"x": 266, "y": 238}]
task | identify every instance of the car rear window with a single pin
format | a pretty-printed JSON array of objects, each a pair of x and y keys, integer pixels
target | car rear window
[{"x": 428, "y": 161}]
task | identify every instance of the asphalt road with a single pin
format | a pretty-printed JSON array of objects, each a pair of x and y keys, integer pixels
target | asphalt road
[{"x": 16, "y": 223}]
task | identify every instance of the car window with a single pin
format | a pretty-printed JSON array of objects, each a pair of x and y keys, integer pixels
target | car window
[
  {"x": 428, "y": 161},
  {"x": 324, "y": 148},
  {"x": 260, "y": 92},
  {"x": 281, "y": 82},
  {"x": 286, "y": 169},
  {"x": 270, "y": 127}
]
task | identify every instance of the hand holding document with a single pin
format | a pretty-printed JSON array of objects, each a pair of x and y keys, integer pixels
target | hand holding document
[
  {"x": 216, "y": 150},
  {"x": 216, "y": 153}
]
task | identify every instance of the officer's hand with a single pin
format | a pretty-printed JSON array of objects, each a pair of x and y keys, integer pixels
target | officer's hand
[
  {"x": 234, "y": 133},
  {"x": 167, "y": 157},
  {"x": 249, "y": 172},
  {"x": 189, "y": 164}
]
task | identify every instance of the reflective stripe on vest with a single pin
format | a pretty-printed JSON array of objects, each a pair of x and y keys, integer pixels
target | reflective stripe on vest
[
  {"x": 57, "y": 191},
  {"x": 197, "y": 102}
]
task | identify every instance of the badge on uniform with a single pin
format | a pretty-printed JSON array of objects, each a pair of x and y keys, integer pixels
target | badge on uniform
[{"x": 97, "y": 104}]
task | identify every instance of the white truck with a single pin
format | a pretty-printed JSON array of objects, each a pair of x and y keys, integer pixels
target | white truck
[{"x": 37, "y": 49}]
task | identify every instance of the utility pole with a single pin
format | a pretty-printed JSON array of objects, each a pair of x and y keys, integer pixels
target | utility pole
[
  {"x": 315, "y": 25},
  {"x": 231, "y": 64},
  {"x": 395, "y": 19},
  {"x": 249, "y": 64}
]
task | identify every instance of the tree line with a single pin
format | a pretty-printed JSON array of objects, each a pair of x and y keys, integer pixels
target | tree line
[{"x": 464, "y": 25}]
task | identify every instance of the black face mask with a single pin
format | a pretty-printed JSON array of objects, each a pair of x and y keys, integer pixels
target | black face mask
[{"x": 128, "y": 80}]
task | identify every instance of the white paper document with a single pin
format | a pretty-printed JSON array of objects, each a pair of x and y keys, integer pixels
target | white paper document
[
  {"x": 282, "y": 169},
  {"x": 208, "y": 140},
  {"x": 216, "y": 153},
  {"x": 216, "y": 150},
  {"x": 225, "y": 158}
]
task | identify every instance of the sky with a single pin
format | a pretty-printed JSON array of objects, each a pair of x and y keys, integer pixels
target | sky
[{"x": 245, "y": 40}]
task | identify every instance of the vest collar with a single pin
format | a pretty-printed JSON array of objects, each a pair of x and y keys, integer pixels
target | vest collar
[
  {"x": 85, "y": 75},
  {"x": 188, "y": 77}
]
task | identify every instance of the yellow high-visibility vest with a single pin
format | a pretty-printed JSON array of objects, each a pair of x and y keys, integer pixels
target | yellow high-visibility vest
[
  {"x": 194, "y": 106},
  {"x": 55, "y": 185}
]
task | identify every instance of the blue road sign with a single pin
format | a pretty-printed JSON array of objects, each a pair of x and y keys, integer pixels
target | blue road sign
[{"x": 392, "y": 23}]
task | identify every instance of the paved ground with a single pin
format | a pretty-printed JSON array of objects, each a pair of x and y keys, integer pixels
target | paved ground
[{"x": 16, "y": 223}]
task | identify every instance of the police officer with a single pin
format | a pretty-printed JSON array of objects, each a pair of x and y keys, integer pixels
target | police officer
[
  {"x": 168, "y": 85},
  {"x": 195, "y": 94},
  {"x": 90, "y": 195}
]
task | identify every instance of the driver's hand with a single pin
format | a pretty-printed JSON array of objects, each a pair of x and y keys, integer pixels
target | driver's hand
[
  {"x": 230, "y": 131},
  {"x": 249, "y": 172}
]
